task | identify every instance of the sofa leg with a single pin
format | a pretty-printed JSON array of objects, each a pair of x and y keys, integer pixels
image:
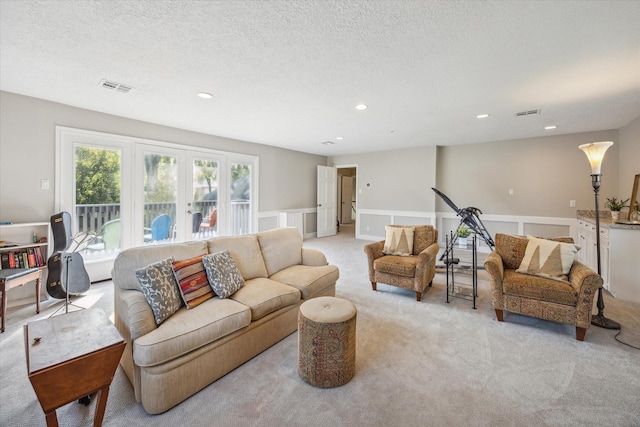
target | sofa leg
[
  {"x": 418, "y": 296},
  {"x": 580, "y": 333},
  {"x": 374, "y": 285},
  {"x": 430, "y": 283},
  {"x": 499, "y": 315}
]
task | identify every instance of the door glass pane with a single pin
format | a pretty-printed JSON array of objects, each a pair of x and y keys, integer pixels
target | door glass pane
[
  {"x": 240, "y": 215},
  {"x": 160, "y": 197},
  {"x": 205, "y": 199},
  {"x": 97, "y": 198}
]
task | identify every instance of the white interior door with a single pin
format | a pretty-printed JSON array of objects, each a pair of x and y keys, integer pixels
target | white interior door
[
  {"x": 327, "y": 201},
  {"x": 346, "y": 195}
]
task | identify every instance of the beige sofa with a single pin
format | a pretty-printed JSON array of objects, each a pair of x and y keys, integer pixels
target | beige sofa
[{"x": 193, "y": 348}]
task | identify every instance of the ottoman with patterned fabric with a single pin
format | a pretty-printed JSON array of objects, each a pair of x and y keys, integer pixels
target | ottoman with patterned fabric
[{"x": 327, "y": 341}]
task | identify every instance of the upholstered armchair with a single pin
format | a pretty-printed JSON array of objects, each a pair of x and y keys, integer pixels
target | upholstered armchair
[
  {"x": 414, "y": 269},
  {"x": 522, "y": 289}
]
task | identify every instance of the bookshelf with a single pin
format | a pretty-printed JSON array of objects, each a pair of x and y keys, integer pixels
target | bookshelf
[{"x": 16, "y": 241}]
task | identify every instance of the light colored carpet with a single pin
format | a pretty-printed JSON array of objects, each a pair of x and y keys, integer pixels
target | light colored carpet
[{"x": 418, "y": 363}]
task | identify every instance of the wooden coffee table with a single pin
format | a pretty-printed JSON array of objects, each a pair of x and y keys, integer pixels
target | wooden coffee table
[
  {"x": 13, "y": 277},
  {"x": 71, "y": 356}
]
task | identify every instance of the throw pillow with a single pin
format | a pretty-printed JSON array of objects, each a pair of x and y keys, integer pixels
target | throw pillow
[
  {"x": 398, "y": 240},
  {"x": 160, "y": 289},
  {"x": 224, "y": 276},
  {"x": 192, "y": 281},
  {"x": 547, "y": 258}
]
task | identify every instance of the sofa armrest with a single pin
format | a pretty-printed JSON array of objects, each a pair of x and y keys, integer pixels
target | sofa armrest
[
  {"x": 134, "y": 314},
  {"x": 313, "y": 257},
  {"x": 373, "y": 251}
]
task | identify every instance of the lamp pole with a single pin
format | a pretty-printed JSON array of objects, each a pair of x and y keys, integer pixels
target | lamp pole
[{"x": 595, "y": 153}]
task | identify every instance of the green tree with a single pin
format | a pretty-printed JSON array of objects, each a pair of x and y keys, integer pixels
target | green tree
[
  {"x": 206, "y": 171},
  {"x": 160, "y": 176},
  {"x": 97, "y": 176}
]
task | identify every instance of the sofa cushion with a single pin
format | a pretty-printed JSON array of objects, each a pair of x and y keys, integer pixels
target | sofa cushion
[
  {"x": 397, "y": 265},
  {"x": 188, "y": 330},
  {"x": 245, "y": 251},
  {"x": 223, "y": 275},
  {"x": 398, "y": 240},
  {"x": 547, "y": 258},
  {"x": 160, "y": 288},
  {"x": 264, "y": 296},
  {"x": 281, "y": 248},
  {"x": 130, "y": 260},
  {"x": 309, "y": 280},
  {"x": 540, "y": 288},
  {"x": 192, "y": 281}
]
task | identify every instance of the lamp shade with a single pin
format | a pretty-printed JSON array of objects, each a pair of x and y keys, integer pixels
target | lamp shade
[{"x": 595, "y": 152}]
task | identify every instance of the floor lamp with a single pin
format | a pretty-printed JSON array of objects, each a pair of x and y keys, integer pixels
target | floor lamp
[{"x": 595, "y": 153}]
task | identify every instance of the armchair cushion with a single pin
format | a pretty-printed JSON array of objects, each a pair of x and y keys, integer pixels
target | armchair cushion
[
  {"x": 423, "y": 237},
  {"x": 539, "y": 288},
  {"x": 398, "y": 241},
  {"x": 549, "y": 259},
  {"x": 398, "y": 265}
]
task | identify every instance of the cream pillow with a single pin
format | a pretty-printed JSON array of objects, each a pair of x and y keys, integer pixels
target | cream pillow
[
  {"x": 548, "y": 258},
  {"x": 398, "y": 240}
]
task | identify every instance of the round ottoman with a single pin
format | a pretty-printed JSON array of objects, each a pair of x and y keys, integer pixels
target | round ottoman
[{"x": 327, "y": 341}]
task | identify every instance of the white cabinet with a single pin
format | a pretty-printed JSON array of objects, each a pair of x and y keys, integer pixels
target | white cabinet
[
  {"x": 588, "y": 253},
  {"x": 292, "y": 218},
  {"x": 18, "y": 249}
]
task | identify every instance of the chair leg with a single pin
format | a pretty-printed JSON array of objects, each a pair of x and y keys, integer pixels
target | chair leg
[
  {"x": 374, "y": 285},
  {"x": 418, "y": 296},
  {"x": 580, "y": 333},
  {"x": 499, "y": 315}
]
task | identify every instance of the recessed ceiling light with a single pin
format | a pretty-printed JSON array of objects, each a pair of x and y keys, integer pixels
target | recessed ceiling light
[
  {"x": 550, "y": 127},
  {"x": 205, "y": 95},
  {"x": 482, "y": 116},
  {"x": 327, "y": 143},
  {"x": 339, "y": 138},
  {"x": 361, "y": 107}
]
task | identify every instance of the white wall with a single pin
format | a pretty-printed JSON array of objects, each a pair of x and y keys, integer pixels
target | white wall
[{"x": 27, "y": 153}]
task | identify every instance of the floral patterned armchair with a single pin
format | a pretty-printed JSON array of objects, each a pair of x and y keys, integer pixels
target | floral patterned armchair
[
  {"x": 569, "y": 301},
  {"x": 413, "y": 271}
]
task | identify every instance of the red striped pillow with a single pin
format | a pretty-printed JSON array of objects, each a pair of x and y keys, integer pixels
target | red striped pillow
[{"x": 192, "y": 281}]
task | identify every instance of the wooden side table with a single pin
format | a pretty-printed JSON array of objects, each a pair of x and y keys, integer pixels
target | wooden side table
[
  {"x": 14, "y": 277},
  {"x": 71, "y": 356}
]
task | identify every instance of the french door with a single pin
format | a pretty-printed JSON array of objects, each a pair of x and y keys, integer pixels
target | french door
[{"x": 148, "y": 192}]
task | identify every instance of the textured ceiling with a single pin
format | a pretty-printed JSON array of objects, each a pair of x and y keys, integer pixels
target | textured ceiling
[{"x": 289, "y": 73}]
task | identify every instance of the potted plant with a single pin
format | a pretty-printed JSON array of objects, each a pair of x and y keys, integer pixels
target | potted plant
[
  {"x": 463, "y": 232},
  {"x": 615, "y": 206}
]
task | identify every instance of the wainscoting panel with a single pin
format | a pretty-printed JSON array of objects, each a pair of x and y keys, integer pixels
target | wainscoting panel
[{"x": 371, "y": 224}]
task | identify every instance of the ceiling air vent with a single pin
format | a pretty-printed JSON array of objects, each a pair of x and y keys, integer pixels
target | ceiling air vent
[
  {"x": 118, "y": 87},
  {"x": 528, "y": 113}
]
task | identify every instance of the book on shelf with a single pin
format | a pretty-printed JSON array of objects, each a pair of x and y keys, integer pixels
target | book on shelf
[
  {"x": 4, "y": 259},
  {"x": 39, "y": 257},
  {"x": 27, "y": 258},
  {"x": 31, "y": 257}
]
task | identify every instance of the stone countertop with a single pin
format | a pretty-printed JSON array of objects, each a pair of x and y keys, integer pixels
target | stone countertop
[{"x": 605, "y": 220}]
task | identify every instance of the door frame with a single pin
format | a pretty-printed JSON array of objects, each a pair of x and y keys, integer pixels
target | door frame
[{"x": 358, "y": 189}]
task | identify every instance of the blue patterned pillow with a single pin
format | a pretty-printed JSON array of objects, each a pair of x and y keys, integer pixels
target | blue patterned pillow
[
  {"x": 160, "y": 288},
  {"x": 223, "y": 275}
]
